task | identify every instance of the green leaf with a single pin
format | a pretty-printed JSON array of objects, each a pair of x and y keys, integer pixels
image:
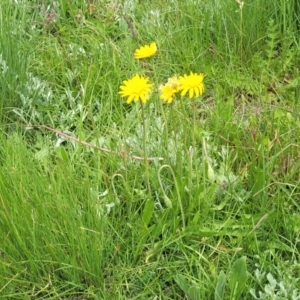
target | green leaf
[
  {"x": 189, "y": 288},
  {"x": 220, "y": 288},
  {"x": 64, "y": 154},
  {"x": 221, "y": 205},
  {"x": 238, "y": 277},
  {"x": 210, "y": 173},
  {"x": 147, "y": 212}
]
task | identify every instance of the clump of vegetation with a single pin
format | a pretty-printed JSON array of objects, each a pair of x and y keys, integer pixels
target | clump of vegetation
[{"x": 190, "y": 193}]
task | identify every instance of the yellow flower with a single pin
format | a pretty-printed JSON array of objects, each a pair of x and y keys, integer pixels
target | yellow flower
[
  {"x": 169, "y": 89},
  {"x": 137, "y": 88},
  {"x": 167, "y": 93},
  {"x": 192, "y": 83},
  {"x": 145, "y": 51}
]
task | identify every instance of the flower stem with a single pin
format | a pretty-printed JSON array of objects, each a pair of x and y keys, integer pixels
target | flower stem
[
  {"x": 145, "y": 149},
  {"x": 194, "y": 136},
  {"x": 166, "y": 131}
]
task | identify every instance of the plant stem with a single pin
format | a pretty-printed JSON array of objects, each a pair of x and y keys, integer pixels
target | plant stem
[{"x": 145, "y": 149}]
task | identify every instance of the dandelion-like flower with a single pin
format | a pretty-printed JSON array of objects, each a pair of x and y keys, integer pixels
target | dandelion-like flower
[
  {"x": 145, "y": 51},
  {"x": 137, "y": 88},
  {"x": 168, "y": 90},
  {"x": 192, "y": 83}
]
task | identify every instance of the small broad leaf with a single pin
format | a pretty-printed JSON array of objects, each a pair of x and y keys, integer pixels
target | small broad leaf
[
  {"x": 221, "y": 205},
  {"x": 211, "y": 174},
  {"x": 147, "y": 212},
  {"x": 188, "y": 287},
  {"x": 238, "y": 277},
  {"x": 220, "y": 288},
  {"x": 64, "y": 154}
]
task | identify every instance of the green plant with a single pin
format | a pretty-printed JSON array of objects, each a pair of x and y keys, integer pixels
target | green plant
[{"x": 85, "y": 214}]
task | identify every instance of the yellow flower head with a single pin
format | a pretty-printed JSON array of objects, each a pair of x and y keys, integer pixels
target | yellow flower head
[
  {"x": 137, "y": 88},
  {"x": 192, "y": 83},
  {"x": 145, "y": 51},
  {"x": 169, "y": 89}
]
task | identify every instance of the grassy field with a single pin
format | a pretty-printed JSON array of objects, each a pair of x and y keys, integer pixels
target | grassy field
[{"x": 195, "y": 199}]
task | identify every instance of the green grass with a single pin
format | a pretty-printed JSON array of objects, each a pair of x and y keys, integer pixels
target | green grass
[{"x": 216, "y": 218}]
